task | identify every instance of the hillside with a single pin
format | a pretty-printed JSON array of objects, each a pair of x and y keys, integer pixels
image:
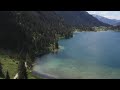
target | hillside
[
  {"x": 37, "y": 32},
  {"x": 24, "y": 35},
  {"x": 78, "y": 18},
  {"x": 117, "y": 24},
  {"x": 30, "y": 32},
  {"x": 106, "y": 20}
]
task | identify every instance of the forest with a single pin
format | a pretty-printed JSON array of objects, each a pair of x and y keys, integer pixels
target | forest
[
  {"x": 24, "y": 35},
  {"x": 31, "y": 33}
]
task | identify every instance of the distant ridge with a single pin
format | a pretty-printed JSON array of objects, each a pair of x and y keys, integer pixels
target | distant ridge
[
  {"x": 106, "y": 20},
  {"x": 77, "y": 18},
  {"x": 117, "y": 24}
]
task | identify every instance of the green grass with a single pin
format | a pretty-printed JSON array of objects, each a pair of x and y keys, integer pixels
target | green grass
[
  {"x": 8, "y": 64},
  {"x": 11, "y": 65}
]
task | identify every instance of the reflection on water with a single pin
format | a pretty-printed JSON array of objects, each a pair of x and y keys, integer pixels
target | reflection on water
[{"x": 86, "y": 55}]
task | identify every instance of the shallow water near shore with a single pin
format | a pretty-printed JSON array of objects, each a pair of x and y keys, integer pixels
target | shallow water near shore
[{"x": 86, "y": 55}]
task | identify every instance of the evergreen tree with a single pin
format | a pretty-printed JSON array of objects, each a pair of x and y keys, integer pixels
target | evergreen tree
[
  {"x": 22, "y": 73},
  {"x": 7, "y": 75},
  {"x": 56, "y": 45},
  {"x": 28, "y": 61}
]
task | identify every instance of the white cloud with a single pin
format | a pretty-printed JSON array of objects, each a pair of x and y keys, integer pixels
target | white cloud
[{"x": 108, "y": 14}]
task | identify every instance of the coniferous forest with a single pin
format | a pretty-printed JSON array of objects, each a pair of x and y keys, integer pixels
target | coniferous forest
[
  {"x": 24, "y": 35},
  {"x": 31, "y": 33}
]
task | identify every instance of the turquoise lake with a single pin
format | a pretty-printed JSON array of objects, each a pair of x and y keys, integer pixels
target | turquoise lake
[{"x": 88, "y": 55}]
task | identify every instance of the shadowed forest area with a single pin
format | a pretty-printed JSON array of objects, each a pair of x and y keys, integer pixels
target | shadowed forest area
[{"x": 24, "y": 35}]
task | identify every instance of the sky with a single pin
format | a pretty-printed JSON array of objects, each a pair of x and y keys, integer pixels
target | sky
[{"x": 107, "y": 14}]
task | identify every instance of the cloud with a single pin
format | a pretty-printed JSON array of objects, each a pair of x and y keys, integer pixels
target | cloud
[{"x": 108, "y": 14}]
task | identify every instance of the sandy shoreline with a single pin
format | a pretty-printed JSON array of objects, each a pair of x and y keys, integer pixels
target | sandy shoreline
[{"x": 43, "y": 76}]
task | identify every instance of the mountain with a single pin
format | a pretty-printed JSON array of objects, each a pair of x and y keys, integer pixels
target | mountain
[
  {"x": 31, "y": 32},
  {"x": 106, "y": 20},
  {"x": 36, "y": 32},
  {"x": 78, "y": 18},
  {"x": 117, "y": 24}
]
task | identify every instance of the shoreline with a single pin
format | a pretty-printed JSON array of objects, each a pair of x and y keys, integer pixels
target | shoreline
[{"x": 43, "y": 76}]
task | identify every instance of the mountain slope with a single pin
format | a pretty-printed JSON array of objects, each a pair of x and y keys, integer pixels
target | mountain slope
[
  {"x": 78, "y": 18},
  {"x": 31, "y": 32},
  {"x": 116, "y": 24},
  {"x": 37, "y": 32},
  {"x": 106, "y": 20}
]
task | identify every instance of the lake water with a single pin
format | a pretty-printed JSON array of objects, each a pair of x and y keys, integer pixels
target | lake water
[{"x": 88, "y": 55}]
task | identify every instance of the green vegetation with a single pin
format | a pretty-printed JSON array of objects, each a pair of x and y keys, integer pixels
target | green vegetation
[
  {"x": 7, "y": 75},
  {"x": 8, "y": 64},
  {"x": 27, "y": 34},
  {"x": 115, "y": 28},
  {"x": 22, "y": 70},
  {"x": 1, "y": 71},
  {"x": 11, "y": 65},
  {"x": 97, "y": 28},
  {"x": 101, "y": 28}
]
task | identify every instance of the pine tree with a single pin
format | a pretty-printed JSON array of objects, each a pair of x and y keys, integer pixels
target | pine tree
[
  {"x": 7, "y": 75},
  {"x": 28, "y": 61},
  {"x": 22, "y": 73},
  {"x": 56, "y": 45}
]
